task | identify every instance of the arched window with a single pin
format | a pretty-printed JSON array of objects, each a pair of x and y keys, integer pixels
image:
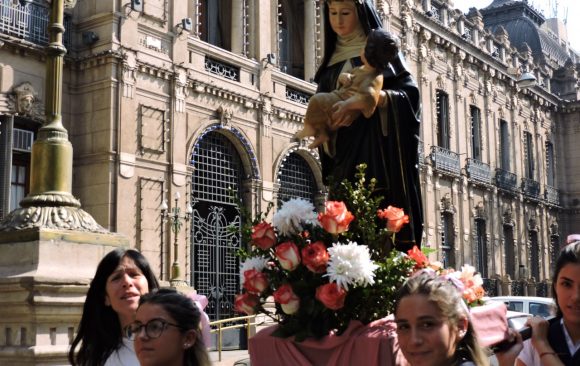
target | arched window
[
  {"x": 291, "y": 37},
  {"x": 296, "y": 179},
  {"x": 217, "y": 173}
]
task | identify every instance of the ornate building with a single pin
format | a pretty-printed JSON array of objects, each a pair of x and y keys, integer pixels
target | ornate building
[{"x": 201, "y": 98}]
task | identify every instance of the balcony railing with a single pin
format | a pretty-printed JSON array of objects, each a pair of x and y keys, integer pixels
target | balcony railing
[
  {"x": 552, "y": 195},
  {"x": 478, "y": 171},
  {"x": 222, "y": 69},
  {"x": 29, "y": 22},
  {"x": 530, "y": 187},
  {"x": 297, "y": 96},
  {"x": 506, "y": 180},
  {"x": 445, "y": 160}
]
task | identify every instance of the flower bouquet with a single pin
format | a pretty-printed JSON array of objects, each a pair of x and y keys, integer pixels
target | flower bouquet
[{"x": 327, "y": 269}]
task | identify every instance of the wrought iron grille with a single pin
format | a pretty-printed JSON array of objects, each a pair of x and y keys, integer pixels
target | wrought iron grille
[
  {"x": 222, "y": 69},
  {"x": 506, "y": 180},
  {"x": 445, "y": 160},
  {"x": 490, "y": 286},
  {"x": 530, "y": 187},
  {"x": 518, "y": 288},
  {"x": 478, "y": 171},
  {"x": 542, "y": 289},
  {"x": 214, "y": 264},
  {"x": 29, "y": 21},
  {"x": 552, "y": 195},
  {"x": 296, "y": 179},
  {"x": 467, "y": 34},
  {"x": 297, "y": 96}
]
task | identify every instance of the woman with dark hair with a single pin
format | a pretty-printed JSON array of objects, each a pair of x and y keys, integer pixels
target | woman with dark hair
[
  {"x": 167, "y": 332},
  {"x": 558, "y": 342},
  {"x": 122, "y": 276},
  {"x": 387, "y": 141}
]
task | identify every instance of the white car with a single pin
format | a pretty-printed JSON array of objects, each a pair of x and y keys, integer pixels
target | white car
[{"x": 534, "y": 305}]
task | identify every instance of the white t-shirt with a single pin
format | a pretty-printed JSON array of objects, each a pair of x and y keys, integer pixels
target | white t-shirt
[
  {"x": 530, "y": 357},
  {"x": 124, "y": 356}
]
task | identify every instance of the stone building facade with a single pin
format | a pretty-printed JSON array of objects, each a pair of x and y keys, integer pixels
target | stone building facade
[{"x": 200, "y": 98}]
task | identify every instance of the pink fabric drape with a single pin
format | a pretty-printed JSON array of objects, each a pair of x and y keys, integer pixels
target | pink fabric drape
[{"x": 370, "y": 345}]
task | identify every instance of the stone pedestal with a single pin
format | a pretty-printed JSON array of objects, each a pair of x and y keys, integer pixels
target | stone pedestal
[{"x": 44, "y": 276}]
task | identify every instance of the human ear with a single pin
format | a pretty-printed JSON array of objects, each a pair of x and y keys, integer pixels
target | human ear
[
  {"x": 189, "y": 338},
  {"x": 462, "y": 325}
]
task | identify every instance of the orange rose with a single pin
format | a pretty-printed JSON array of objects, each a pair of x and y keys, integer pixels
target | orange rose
[
  {"x": 263, "y": 235},
  {"x": 315, "y": 257},
  {"x": 335, "y": 218},
  {"x": 288, "y": 255},
  {"x": 255, "y": 281},
  {"x": 287, "y": 299},
  {"x": 246, "y": 303},
  {"x": 419, "y": 257},
  {"x": 395, "y": 217},
  {"x": 331, "y": 295}
]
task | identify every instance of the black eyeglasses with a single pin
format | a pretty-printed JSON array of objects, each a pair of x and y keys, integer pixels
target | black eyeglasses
[{"x": 153, "y": 328}]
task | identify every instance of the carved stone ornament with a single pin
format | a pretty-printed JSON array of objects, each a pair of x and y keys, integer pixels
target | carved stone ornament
[
  {"x": 479, "y": 211},
  {"x": 63, "y": 217},
  {"x": 25, "y": 98},
  {"x": 446, "y": 204},
  {"x": 225, "y": 115},
  {"x": 68, "y": 4}
]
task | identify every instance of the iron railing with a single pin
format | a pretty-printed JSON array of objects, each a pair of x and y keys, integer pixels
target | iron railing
[
  {"x": 552, "y": 195},
  {"x": 297, "y": 96},
  {"x": 222, "y": 69},
  {"x": 445, "y": 160},
  {"x": 478, "y": 171},
  {"x": 530, "y": 187},
  {"x": 506, "y": 180},
  {"x": 29, "y": 21},
  {"x": 218, "y": 327}
]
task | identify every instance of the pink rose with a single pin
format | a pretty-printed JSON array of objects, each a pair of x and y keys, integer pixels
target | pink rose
[
  {"x": 255, "y": 282},
  {"x": 331, "y": 295},
  {"x": 315, "y": 257},
  {"x": 335, "y": 218},
  {"x": 288, "y": 255},
  {"x": 287, "y": 299},
  {"x": 246, "y": 303},
  {"x": 395, "y": 217},
  {"x": 263, "y": 235}
]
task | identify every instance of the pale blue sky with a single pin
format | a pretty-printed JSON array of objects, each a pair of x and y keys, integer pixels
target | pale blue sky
[{"x": 547, "y": 7}]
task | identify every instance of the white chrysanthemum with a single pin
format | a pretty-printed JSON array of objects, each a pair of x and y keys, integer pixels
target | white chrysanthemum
[
  {"x": 350, "y": 265},
  {"x": 257, "y": 263},
  {"x": 289, "y": 218}
]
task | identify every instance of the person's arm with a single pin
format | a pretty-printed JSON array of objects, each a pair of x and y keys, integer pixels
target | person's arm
[
  {"x": 546, "y": 353},
  {"x": 509, "y": 356}
]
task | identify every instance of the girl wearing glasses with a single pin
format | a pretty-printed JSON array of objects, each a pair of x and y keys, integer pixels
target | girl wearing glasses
[
  {"x": 167, "y": 332},
  {"x": 122, "y": 276}
]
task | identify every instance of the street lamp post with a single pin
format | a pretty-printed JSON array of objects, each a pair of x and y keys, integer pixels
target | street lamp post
[{"x": 176, "y": 220}]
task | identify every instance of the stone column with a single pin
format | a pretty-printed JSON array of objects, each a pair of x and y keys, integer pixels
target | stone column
[
  {"x": 238, "y": 31},
  {"x": 309, "y": 39}
]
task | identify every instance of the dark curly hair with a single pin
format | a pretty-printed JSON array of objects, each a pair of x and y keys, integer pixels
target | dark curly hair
[{"x": 381, "y": 48}]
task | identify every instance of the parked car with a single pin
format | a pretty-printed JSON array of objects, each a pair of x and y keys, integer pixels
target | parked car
[{"x": 534, "y": 305}]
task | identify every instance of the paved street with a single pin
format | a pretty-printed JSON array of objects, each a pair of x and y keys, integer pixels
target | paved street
[{"x": 231, "y": 358}]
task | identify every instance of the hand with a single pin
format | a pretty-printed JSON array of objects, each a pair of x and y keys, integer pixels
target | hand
[
  {"x": 508, "y": 357},
  {"x": 539, "y": 327}
]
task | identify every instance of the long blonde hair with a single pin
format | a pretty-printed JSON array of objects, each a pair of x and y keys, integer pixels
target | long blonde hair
[{"x": 448, "y": 300}]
